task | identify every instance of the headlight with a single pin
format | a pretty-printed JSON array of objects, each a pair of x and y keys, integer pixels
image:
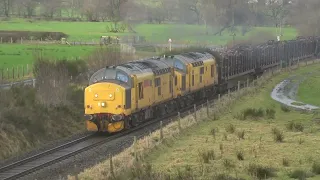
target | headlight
[
  {"x": 103, "y": 104},
  {"x": 96, "y": 95},
  {"x": 110, "y": 95}
]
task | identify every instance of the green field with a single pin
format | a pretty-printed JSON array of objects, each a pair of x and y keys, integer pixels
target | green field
[
  {"x": 154, "y": 33},
  {"x": 216, "y": 147},
  {"x": 12, "y": 55},
  {"x": 309, "y": 89}
]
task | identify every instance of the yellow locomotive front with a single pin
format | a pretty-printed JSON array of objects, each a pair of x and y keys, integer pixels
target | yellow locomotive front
[{"x": 105, "y": 100}]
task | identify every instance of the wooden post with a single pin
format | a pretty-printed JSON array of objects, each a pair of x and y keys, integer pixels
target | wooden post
[
  {"x": 195, "y": 111},
  {"x": 179, "y": 122},
  {"x": 11, "y": 40},
  {"x": 8, "y": 73},
  {"x": 161, "y": 132},
  {"x": 219, "y": 97},
  {"x": 18, "y": 72},
  {"x": 12, "y": 72},
  {"x": 207, "y": 108},
  {"x": 22, "y": 71},
  {"x": 228, "y": 93},
  {"x": 248, "y": 83},
  {"x": 21, "y": 40},
  {"x": 135, "y": 147},
  {"x": 34, "y": 83},
  {"x": 238, "y": 85},
  {"x": 111, "y": 166},
  {"x": 1, "y": 40}
]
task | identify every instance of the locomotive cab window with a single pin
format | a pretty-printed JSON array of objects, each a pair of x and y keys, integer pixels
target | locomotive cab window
[
  {"x": 202, "y": 70},
  {"x": 140, "y": 86},
  {"x": 212, "y": 70}
]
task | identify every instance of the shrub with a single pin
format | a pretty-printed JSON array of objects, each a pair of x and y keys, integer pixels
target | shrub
[
  {"x": 225, "y": 177},
  {"x": 228, "y": 164},
  {"x": 316, "y": 168},
  {"x": 251, "y": 113},
  {"x": 295, "y": 126},
  {"x": 285, "y": 108},
  {"x": 298, "y": 174},
  {"x": 213, "y": 132},
  {"x": 271, "y": 113},
  {"x": 240, "y": 155},
  {"x": 261, "y": 172},
  {"x": 285, "y": 162},
  {"x": 206, "y": 156},
  {"x": 241, "y": 134},
  {"x": 278, "y": 136},
  {"x": 230, "y": 128}
]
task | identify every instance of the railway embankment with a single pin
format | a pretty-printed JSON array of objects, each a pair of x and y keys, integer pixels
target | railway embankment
[{"x": 247, "y": 135}]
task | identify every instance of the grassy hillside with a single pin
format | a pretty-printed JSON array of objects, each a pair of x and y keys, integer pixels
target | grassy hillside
[
  {"x": 309, "y": 89},
  {"x": 154, "y": 33},
  {"x": 257, "y": 138}
]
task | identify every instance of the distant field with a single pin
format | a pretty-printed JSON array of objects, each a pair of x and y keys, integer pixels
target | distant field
[
  {"x": 309, "y": 90},
  {"x": 155, "y": 33},
  {"x": 12, "y": 55}
]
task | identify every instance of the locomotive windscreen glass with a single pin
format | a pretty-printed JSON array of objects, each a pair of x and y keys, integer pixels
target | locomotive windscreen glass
[
  {"x": 108, "y": 74},
  {"x": 179, "y": 65}
]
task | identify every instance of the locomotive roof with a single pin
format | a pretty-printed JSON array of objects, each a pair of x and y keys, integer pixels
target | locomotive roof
[
  {"x": 193, "y": 57},
  {"x": 147, "y": 65}
]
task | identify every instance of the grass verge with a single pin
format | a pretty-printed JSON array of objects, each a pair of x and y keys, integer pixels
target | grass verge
[{"x": 308, "y": 91}]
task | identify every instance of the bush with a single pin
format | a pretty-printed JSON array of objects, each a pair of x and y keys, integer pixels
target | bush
[
  {"x": 206, "y": 156},
  {"x": 316, "y": 168},
  {"x": 285, "y": 162},
  {"x": 241, "y": 134},
  {"x": 261, "y": 172},
  {"x": 299, "y": 174},
  {"x": 295, "y": 126},
  {"x": 285, "y": 108},
  {"x": 278, "y": 136},
  {"x": 230, "y": 128},
  {"x": 240, "y": 155},
  {"x": 271, "y": 113}
]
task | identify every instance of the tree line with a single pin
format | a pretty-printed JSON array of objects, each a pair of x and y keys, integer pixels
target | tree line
[{"x": 219, "y": 14}]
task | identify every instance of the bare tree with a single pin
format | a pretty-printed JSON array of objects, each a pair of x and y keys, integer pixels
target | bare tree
[
  {"x": 304, "y": 15},
  {"x": 50, "y": 7}
]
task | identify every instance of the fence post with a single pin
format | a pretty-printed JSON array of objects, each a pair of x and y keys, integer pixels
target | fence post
[
  {"x": 34, "y": 83},
  {"x": 12, "y": 72},
  {"x": 228, "y": 93},
  {"x": 8, "y": 73},
  {"x": 238, "y": 85},
  {"x": 21, "y": 40},
  {"x": 248, "y": 83},
  {"x": 22, "y": 71},
  {"x": 179, "y": 121},
  {"x": 219, "y": 97},
  {"x": 161, "y": 132},
  {"x": 207, "y": 108},
  {"x": 18, "y": 72},
  {"x": 195, "y": 111},
  {"x": 1, "y": 40},
  {"x": 11, "y": 40},
  {"x": 111, "y": 166},
  {"x": 135, "y": 147}
]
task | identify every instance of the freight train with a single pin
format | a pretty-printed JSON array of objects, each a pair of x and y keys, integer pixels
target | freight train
[{"x": 123, "y": 96}]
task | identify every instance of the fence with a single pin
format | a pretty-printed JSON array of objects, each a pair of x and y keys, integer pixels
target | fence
[{"x": 15, "y": 73}]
